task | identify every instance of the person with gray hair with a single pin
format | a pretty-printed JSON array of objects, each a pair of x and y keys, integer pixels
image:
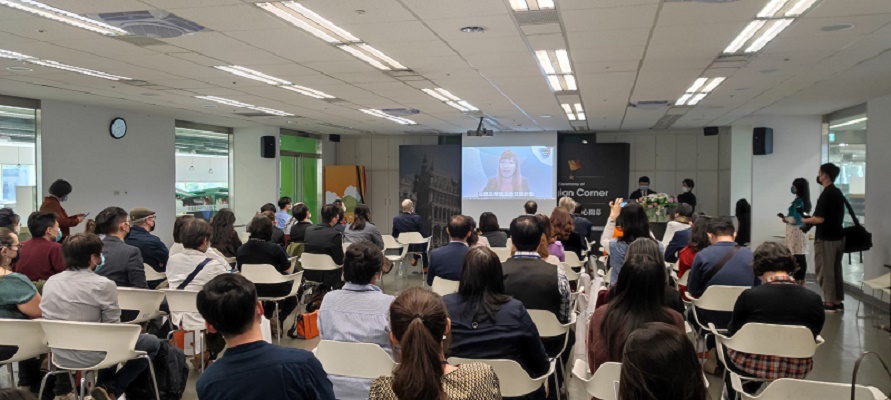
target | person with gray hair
[{"x": 406, "y": 222}]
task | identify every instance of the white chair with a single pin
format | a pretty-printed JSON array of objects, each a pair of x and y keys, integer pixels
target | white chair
[
  {"x": 357, "y": 360},
  {"x": 25, "y": 334},
  {"x": 147, "y": 302},
  {"x": 503, "y": 253},
  {"x": 117, "y": 341},
  {"x": 877, "y": 284},
  {"x": 787, "y": 341},
  {"x": 390, "y": 243},
  {"x": 571, "y": 274},
  {"x": 266, "y": 274},
  {"x": 318, "y": 262},
  {"x": 409, "y": 238},
  {"x": 152, "y": 275},
  {"x": 443, "y": 286},
  {"x": 715, "y": 298},
  {"x": 788, "y": 389},
  {"x": 186, "y": 301},
  {"x": 549, "y": 326},
  {"x": 572, "y": 260},
  {"x": 603, "y": 383},
  {"x": 514, "y": 380}
]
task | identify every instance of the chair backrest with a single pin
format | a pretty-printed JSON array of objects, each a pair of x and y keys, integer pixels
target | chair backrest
[
  {"x": 245, "y": 236},
  {"x": 346, "y": 245},
  {"x": 443, "y": 286},
  {"x": 682, "y": 280},
  {"x": 789, "y": 341},
  {"x": 318, "y": 262},
  {"x": 357, "y": 360},
  {"x": 571, "y": 274},
  {"x": 789, "y": 389},
  {"x": 572, "y": 259},
  {"x": 118, "y": 341},
  {"x": 391, "y": 243},
  {"x": 719, "y": 298},
  {"x": 547, "y": 323},
  {"x": 503, "y": 253},
  {"x": 514, "y": 380},
  {"x": 181, "y": 300},
  {"x": 603, "y": 384},
  {"x": 147, "y": 302},
  {"x": 411, "y": 238},
  {"x": 25, "y": 334},
  {"x": 880, "y": 282},
  {"x": 151, "y": 274}
]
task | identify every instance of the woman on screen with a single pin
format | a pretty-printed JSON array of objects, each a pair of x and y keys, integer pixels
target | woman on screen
[{"x": 508, "y": 177}]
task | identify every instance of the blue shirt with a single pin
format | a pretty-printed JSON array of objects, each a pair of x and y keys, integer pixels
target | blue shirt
[
  {"x": 260, "y": 370},
  {"x": 736, "y": 272},
  {"x": 281, "y": 219}
]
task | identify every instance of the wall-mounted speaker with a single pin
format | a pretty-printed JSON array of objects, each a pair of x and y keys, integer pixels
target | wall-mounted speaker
[
  {"x": 762, "y": 141},
  {"x": 710, "y": 130},
  {"x": 334, "y": 138},
  {"x": 267, "y": 146}
]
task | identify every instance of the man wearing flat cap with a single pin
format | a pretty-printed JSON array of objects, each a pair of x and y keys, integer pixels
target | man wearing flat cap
[{"x": 154, "y": 252}]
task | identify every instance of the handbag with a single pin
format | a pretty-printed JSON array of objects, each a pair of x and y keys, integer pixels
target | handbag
[
  {"x": 857, "y": 238},
  {"x": 306, "y": 326}
]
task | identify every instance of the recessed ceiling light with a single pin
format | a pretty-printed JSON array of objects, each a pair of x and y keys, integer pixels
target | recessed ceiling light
[
  {"x": 574, "y": 112},
  {"x": 261, "y": 77},
  {"x": 58, "y": 65},
  {"x": 837, "y": 27},
  {"x": 381, "y": 114},
  {"x": 67, "y": 17},
  {"x": 473, "y": 29},
  {"x": 701, "y": 87},
  {"x": 544, "y": 116},
  {"x": 532, "y": 5},
  {"x": 19, "y": 69},
  {"x": 235, "y": 103}
]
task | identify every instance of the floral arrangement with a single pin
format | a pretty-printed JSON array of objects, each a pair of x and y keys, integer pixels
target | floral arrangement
[{"x": 655, "y": 205}]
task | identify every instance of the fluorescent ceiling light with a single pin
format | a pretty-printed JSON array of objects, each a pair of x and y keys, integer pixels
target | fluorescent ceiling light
[
  {"x": 66, "y": 17},
  {"x": 700, "y": 88},
  {"x": 696, "y": 99},
  {"x": 377, "y": 53},
  {"x": 545, "y": 61},
  {"x": 456, "y": 105},
  {"x": 557, "y": 69},
  {"x": 13, "y": 55},
  {"x": 696, "y": 85},
  {"x": 79, "y": 70},
  {"x": 308, "y": 92},
  {"x": 381, "y": 114},
  {"x": 532, "y": 5},
  {"x": 771, "y": 8},
  {"x": 467, "y": 105},
  {"x": 574, "y": 114},
  {"x": 848, "y": 123},
  {"x": 364, "y": 57},
  {"x": 563, "y": 61},
  {"x": 570, "y": 82},
  {"x": 519, "y": 5},
  {"x": 450, "y": 99},
  {"x": 235, "y": 103},
  {"x": 251, "y": 74},
  {"x": 681, "y": 101},
  {"x": 766, "y": 36},
  {"x": 554, "y": 83},
  {"x": 324, "y": 23},
  {"x": 800, "y": 7},
  {"x": 435, "y": 94},
  {"x": 713, "y": 84},
  {"x": 744, "y": 36},
  {"x": 447, "y": 94}
]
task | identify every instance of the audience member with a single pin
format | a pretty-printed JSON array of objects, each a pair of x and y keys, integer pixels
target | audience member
[
  {"x": 698, "y": 241},
  {"x": 58, "y": 194},
  {"x": 490, "y": 230},
  {"x": 744, "y": 220},
  {"x": 643, "y": 189},
  {"x": 358, "y": 313},
  {"x": 567, "y": 204},
  {"x": 341, "y": 224},
  {"x": 18, "y": 296},
  {"x": 419, "y": 322},
  {"x": 41, "y": 256},
  {"x": 796, "y": 238},
  {"x": 637, "y": 298},
  {"x": 78, "y": 294},
  {"x": 446, "y": 261},
  {"x": 660, "y": 363},
  {"x": 475, "y": 239},
  {"x": 778, "y": 301},
  {"x": 632, "y": 218},
  {"x": 302, "y": 216},
  {"x": 16, "y": 394},
  {"x": 829, "y": 246},
  {"x": 564, "y": 231},
  {"x": 549, "y": 249},
  {"x": 9, "y": 220},
  {"x": 650, "y": 248},
  {"x": 177, "y": 242},
  {"x": 530, "y": 207},
  {"x": 723, "y": 263},
  {"x": 283, "y": 217},
  {"x": 253, "y": 368},
  {"x": 224, "y": 238},
  {"x": 121, "y": 262},
  {"x": 154, "y": 252},
  {"x": 278, "y": 235},
  {"x": 362, "y": 230},
  {"x": 489, "y": 324},
  {"x": 271, "y": 208},
  {"x": 407, "y": 222},
  {"x": 677, "y": 232},
  {"x": 581, "y": 223},
  {"x": 260, "y": 250},
  {"x": 687, "y": 196},
  {"x": 324, "y": 239}
]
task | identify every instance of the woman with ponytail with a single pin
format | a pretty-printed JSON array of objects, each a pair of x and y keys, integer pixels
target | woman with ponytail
[{"x": 419, "y": 324}]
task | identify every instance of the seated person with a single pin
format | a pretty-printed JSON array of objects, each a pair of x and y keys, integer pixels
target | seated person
[
  {"x": 489, "y": 324},
  {"x": 698, "y": 241},
  {"x": 78, "y": 294},
  {"x": 154, "y": 251},
  {"x": 723, "y": 263},
  {"x": 659, "y": 360},
  {"x": 446, "y": 261},
  {"x": 650, "y": 248},
  {"x": 581, "y": 223},
  {"x": 278, "y": 234},
  {"x": 260, "y": 250},
  {"x": 554, "y": 247},
  {"x": 634, "y": 223},
  {"x": 638, "y": 299},
  {"x": 490, "y": 230},
  {"x": 252, "y": 368},
  {"x": 407, "y": 222},
  {"x": 362, "y": 230},
  {"x": 564, "y": 231},
  {"x": 779, "y": 300},
  {"x": 18, "y": 300},
  {"x": 121, "y": 262},
  {"x": 298, "y": 229},
  {"x": 358, "y": 313},
  {"x": 41, "y": 256},
  {"x": 324, "y": 239},
  {"x": 419, "y": 322},
  {"x": 224, "y": 240},
  {"x": 677, "y": 232}
]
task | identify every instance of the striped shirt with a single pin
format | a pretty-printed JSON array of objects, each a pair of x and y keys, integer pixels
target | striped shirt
[{"x": 357, "y": 313}]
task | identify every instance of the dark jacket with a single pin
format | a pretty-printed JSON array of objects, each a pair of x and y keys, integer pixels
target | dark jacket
[
  {"x": 408, "y": 222},
  {"x": 228, "y": 245},
  {"x": 260, "y": 252},
  {"x": 637, "y": 194},
  {"x": 779, "y": 304},
  {"x": 574, "y": 244},
  {"x": 447, "y": 262},
  {"x": 582, "y": 226},
  {"x": 278, "y": 237},
  {"x": 533, "y": 282},
  {"x": 496, "y": 238},
  {"x": 123, "y": 263},
  {"x": 680, "y": 240},
  {"x": 298, "y": 232},
  {"x": 688, "y": 198},
  {"x": 153, "y": 250},
  {"x": 323, "y": 239}
]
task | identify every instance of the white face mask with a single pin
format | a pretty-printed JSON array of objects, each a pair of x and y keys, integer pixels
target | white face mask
[{"x": 685, "y": 189}]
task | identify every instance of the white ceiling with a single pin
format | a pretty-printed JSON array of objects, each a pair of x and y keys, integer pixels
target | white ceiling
[{"x": 622, "y": 51}]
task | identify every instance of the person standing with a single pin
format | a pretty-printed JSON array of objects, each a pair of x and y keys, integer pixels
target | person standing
[
  {"x": 58, "y": 193},
  {"x": 796, "y": 239},
  {"x": 829, "y": 246},
  {"x": 643, "y": 189},
  {"x": 687, "y": 195}
]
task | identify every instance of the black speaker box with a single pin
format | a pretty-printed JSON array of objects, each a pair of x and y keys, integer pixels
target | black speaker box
[
  {"x": 334, "y": 138},
  {"x": 762, "y": 141},
  {"x": 710, "y": 130},
  {"x": 267, "y": 146}
]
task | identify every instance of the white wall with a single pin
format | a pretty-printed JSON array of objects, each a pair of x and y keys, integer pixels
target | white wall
[
  {"x": 136, "y": 171},
  {"x": 740, "y": 164},
  {"x": 796, "y": 153},
  {"x": 878, "y": 189},
  {"x": 255, "y": 179},
  {"x": 380, "y": 156},
  {"x": 671, "y": 156}
]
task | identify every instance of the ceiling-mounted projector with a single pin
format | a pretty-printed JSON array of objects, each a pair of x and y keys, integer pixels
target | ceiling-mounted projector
[{"x": 480, "y": 130}]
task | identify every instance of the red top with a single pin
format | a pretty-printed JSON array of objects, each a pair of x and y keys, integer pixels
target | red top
[
  {"x": 685, "y": 261},
  {"x": 51, "y": 204},
  {"x": 39, "y": 259}
]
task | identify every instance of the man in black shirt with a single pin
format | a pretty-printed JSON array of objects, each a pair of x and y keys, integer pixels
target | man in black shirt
[
  {"x": 324, "y": 239},
  {"x": 687, "y": 195},
  {"x": 829, "y": 245},
  {"x": 643, "y": 189}
]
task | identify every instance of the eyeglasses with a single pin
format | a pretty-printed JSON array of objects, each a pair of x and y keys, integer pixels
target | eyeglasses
[{"x": 16, "y": 247}]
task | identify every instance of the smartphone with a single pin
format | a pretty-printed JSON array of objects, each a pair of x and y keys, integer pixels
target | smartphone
[
  {"x": 86, "y": 215},
  {"x": 623, "y": 204}
]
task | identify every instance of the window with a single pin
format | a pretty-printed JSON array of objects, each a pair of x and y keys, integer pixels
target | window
[
  {"x": 202, "y": 169},
  {"x": 18, "y": 172},
  {"x": 845, "y": 146}
]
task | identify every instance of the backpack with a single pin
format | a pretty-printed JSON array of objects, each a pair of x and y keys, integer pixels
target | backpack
[{"x": 172, "y": 373}]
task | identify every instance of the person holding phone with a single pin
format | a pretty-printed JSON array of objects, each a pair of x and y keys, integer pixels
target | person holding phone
[
  {"x": 58, "y": 193},
  {"x": 796, "y": 238}
]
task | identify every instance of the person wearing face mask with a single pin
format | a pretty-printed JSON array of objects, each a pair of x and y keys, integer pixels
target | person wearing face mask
[
  {"x": 41, "y": 256},
  {"x": 643, "y": 188},
  {"x": 9, "y": 220},
  {"x": 58, "y": 193},
  {"x": 687, "y": 195},
  {"x": 122, "y": 262},
  {"x": 829, "y": 246},
  {"x": 154, "y": 252},
  {"x": 796, "y": 239}
]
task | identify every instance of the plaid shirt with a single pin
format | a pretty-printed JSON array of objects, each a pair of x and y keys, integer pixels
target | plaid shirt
[
  {"x": 562, "y": 287},
  {"x": 768, "y": 366}
]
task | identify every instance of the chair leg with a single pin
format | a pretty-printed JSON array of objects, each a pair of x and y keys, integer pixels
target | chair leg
[
  {"x": 203, "y": 347},
  {"x": 11, "y": 375},
  {"x": 277, "y": 318},
  {"x": 73, "y": 383},
  {"x": 151, "y": 368}
]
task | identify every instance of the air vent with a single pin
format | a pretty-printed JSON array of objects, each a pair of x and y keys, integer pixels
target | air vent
[
  {"x": 537, "y": 17},
  {"x": 650, "y": 104},
  {"x": 666, "y": 121},
  {"x": 156, "y": 24}
]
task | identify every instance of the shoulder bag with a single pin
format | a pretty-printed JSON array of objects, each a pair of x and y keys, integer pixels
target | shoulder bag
[
  {"x": 857, "y": 238},
  {"x": 714, "y": 271}
]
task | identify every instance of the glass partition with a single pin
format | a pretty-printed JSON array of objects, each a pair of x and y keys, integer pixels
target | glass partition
[
  {"x": 18, "y": 170},
  {"x": 202, "y": 171}
]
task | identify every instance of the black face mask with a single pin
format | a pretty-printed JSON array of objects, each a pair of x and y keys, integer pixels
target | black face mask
[{"x": 818, "y": 181}]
